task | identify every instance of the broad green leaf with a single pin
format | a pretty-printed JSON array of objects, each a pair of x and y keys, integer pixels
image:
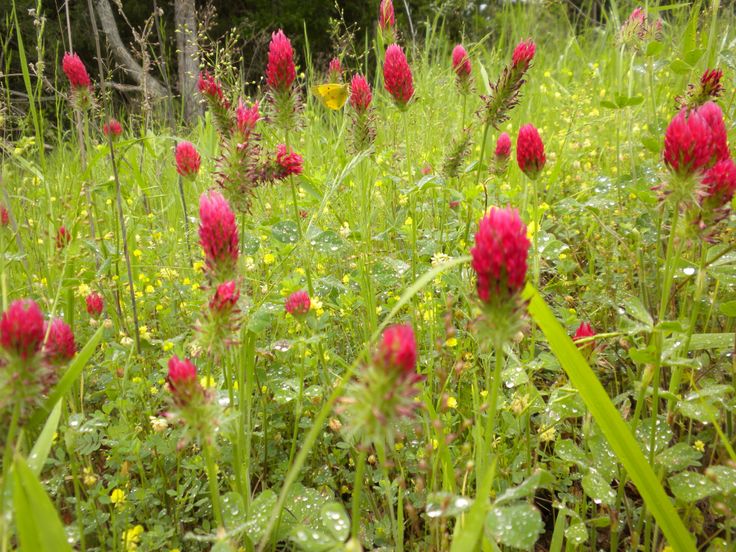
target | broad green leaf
[
  {"x": 654, "y": 48},
  {"x": 39, "y": 526},
  {"x": 724, "y": 477},
  {"x": 728, "y": 308},
  {"x": 336, "y": 520},
  {"x": 678, "y": 457},
  {"x": 692, "y": 486},
  {"x": 577, "y": 533},
  {"x": 570, "y": 452},
  {"x": 712, "y": 341},
  {"x": 313, "y": 540},
  {"x": 285, "y": 231},
  {"x": 233, "y": 509},
  {"x": 518, "y": 526},
  {"x": 259, "y": 515},
  {"x": 41, "y": 449},
  {"x": 598, "y": 488},
  {"x": 693, "y": 55},
  {"x": 610, "y": 422},
  {"x": 680, "y": 67},
  {"x": 327, "y": 242}
]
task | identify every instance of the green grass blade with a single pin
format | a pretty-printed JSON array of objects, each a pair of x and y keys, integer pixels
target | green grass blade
[
  {"x": 70, "y": 376},
  {"x": 469, "y": 532},
  {"x": 40, "y": 451},
  {"x": 39, "y": 526},
  {"x": 609, "y": 420}
]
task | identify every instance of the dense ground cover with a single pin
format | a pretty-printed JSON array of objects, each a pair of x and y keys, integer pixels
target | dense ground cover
[{"x": 315, "y": 359}]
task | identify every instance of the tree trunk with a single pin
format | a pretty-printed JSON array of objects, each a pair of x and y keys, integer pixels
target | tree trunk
[
  {"x": 110, "y": 27},
  {"x": 185, "y": 19}
]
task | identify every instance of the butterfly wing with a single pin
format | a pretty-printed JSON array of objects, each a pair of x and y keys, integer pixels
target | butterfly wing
[{"x": 332, "y": 95}]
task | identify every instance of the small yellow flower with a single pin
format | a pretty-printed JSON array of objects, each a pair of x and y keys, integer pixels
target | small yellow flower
[
  {"x": 207, "y": 381},
  {"x": 451, "y": 402},
  {"x": 137, "y": 253},
  {"x": 269, "y": 259},
  {"x": 435, "y": 444},
  {"x": 167, "y": 346},
  {"x": 484, "y": 393},
  {"x": 131, "y": 537},
  {"x": 451, "y": 342},
  {"x": 398, "y": 446},
  {"x": 699, "y": 445},
  {"x": 117, "y": 497}
]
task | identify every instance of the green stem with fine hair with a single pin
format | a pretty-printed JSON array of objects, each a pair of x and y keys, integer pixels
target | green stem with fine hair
[
  {"x": 493, "y": 385},
  {"x": 357, "y": 491},
  {"x": 212, "y": 480}
]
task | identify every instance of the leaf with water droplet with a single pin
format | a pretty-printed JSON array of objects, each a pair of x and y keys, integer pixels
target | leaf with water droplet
[
  {"x": 724, "y": 476},
  {"x": 678, "y": 457},
  {"x": 285, "y": 231},
  {"x": 539, "y": 479},
  {"x": 259, "y": 515},
  {"x": 233, "y": 509},
  {"x": 598, "y": 488},
  {"x": 441, "y": 505},
  {"x": 577, "y": 533},
  {"x": 518, "y": 526},
  {"x": 692, "y": 486},
  {"x": 311, "y": 540},
  {"x": 336, "y": 520},
  {"x": 327, "y": 242}
]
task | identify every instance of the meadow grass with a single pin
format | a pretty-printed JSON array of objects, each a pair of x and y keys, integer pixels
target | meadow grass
[{"x": 603, "y": 452}]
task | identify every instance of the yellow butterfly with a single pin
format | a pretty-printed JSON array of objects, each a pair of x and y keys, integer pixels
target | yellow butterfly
[{"x": 333, "y": 95}]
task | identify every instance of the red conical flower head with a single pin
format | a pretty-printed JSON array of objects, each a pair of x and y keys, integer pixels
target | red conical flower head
[
  {"x": 398, "y": 349},
  {"x": 59, "y": 347},
  {"x": 75, "y": 71},
  {"x": 719, "y": 183},
  {"x": 4, "y": 215},
  {"x": 209, "y": 87},
  {"x": 710, "y": 83},
  {"x": 503, "y": 146},
  {"x": 298, "y": 304},
  {"x": 523, "y": 55},
  {"x": 95, "y": 304},
  {"x": 719, "y": 136},
  {"x": 225, "y": 298},
  {"x": 461, "y": 62},
  {"x": 530, "y": 151},
  {"x": 22, "y": 328},
  {"x": 112, "y": 127},
  {"x": 397, "y": 76},
  {"x": 500, "y": 253},
  {"x": 218, "y": 233},
  {"x": 583, "y": 331},
  {"x": 360, "y": 93},
  {"x": 288, "y": 161},
  {"x": 63, "y": 237},
  {"x": 247, "y": 117},
  {"x": 334, "y": 72},
  {"x": 280, "y": 71},
  {"x": 688, "y": 143},
  {"x": 386, "y": 17},
  {"x": 187, "y": 159}
]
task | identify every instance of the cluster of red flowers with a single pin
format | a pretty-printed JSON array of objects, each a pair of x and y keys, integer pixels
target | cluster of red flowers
[
  {"x": 397, "y": 77},
  {"x": 697, "y": 154},
  {"x": 187, "y": 159},
  {"x": 280, "y": 71},
  {"x": 75, "y": 71},
  {"x": 298, "y": 304},
  {"x": 31, "y": 362},
  {"x": 530, "y": 151},
  {"x": 462, "y": 68},
  {"x": 112, "y": 128},
  {"x": 289, "y": 162},
  {"x": 218, "y": 233},
  {"x": 95, "y": 304},
  {"x": 500, "y": 254},
  {"x": 334, "y": 71}
]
